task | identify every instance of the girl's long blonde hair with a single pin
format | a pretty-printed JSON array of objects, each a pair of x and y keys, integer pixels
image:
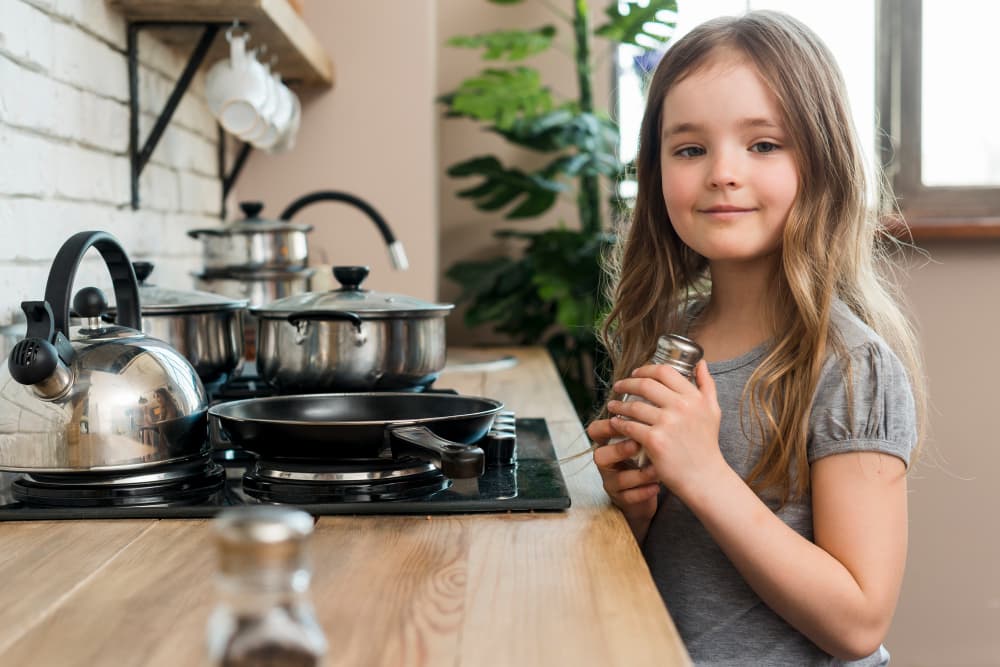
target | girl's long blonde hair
[{"x": 833, "y": 244}]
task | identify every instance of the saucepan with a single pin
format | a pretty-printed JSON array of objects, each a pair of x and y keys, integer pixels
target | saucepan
[{"x": 329, "y": 427}]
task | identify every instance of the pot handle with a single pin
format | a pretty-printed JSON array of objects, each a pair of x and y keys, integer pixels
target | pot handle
[
  {"x": 456, "y": 460},
  {"x": 295, "y": 319},
  {"x": 313, "y": 315},
  {"x": 63, "y": 273}
]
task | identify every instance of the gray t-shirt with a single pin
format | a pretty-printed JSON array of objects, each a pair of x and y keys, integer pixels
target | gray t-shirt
[{"x": 719, "y": 617}]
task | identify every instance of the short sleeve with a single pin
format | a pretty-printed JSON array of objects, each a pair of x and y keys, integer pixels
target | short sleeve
[{"x": 868, "y": 408}]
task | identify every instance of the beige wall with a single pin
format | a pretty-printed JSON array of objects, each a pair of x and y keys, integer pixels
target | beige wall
[
  {"x": 949, "y": 610},
  {"x": 373, "y": 135}
]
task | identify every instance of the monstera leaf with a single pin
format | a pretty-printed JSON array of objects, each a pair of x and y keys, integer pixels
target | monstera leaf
[
  {"x": 588, "y": 163},
  {"x": 629, "y": 20},
  {"x": 502, "y": 186},
  {"x": 509, "y": 44},
  {"x": 499, "y": 96},
  {"x": 562, "y": 128}
]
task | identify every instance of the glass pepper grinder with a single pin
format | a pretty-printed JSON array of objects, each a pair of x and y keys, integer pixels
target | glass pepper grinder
[
  {"x": 264, "y": 616},
  {"x": 674, "y": 350}
]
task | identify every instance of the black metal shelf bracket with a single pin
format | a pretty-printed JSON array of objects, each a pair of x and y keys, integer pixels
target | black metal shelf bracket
[{"x": 139, "y": 157}]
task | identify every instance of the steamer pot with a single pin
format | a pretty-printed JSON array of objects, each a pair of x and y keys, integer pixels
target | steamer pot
[{"x": 253, "y": 243}]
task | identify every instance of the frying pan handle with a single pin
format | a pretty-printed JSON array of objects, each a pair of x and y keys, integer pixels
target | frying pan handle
[{"x": 457, "y": 461}]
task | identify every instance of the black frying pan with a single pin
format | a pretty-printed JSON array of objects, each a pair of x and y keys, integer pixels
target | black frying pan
[{"x": 365, "y": 425}]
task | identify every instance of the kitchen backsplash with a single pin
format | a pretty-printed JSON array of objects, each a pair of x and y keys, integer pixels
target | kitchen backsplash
[{"x": 64, "y": 161}]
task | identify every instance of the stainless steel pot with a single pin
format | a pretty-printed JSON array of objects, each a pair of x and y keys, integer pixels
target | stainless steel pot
[
  {"x": 254, "y": 243},
  {"x": 257, "y": 288},
  {"x": 206, "y": 328},
  {"x": 350, "y": 339},
  {"x": 96, "y": 396}
]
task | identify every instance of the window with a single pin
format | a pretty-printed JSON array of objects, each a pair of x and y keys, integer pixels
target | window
[
  {"x": 922, "y": 87},
  {"x": 938, "y": 103}
]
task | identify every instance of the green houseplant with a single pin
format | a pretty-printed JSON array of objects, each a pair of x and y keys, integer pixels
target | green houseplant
[{"x": 551, "y": 292}]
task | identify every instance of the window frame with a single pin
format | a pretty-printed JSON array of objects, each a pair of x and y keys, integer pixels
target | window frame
[{"x": 929, "y": 211}]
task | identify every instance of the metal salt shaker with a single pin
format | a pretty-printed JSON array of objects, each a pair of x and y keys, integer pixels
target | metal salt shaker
[
  {"x": 677, "y": 351},
  {"x": 264, "y": 615}
]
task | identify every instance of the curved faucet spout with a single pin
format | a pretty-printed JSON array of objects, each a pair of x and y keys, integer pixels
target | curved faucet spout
[{"x": 397, "y": 254}]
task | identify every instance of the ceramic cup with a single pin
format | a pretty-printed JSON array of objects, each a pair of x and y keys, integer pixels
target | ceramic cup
[
  {"x": 237, "y": 89},
  {"x": 266, "y": 114},
  {"x": 286, "y": 139},
  {"x": 280, "y": 118}
]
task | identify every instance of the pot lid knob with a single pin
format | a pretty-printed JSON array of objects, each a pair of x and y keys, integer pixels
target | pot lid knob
[
  {"x": 142, "y": 270},
  {"x": 251, "y": 209},
  {"x": 350, "y": 277},
  {"x": 90, "y": 302}
]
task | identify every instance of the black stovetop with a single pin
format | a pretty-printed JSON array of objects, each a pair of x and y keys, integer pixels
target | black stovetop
[{"x": 534, "y": 482}]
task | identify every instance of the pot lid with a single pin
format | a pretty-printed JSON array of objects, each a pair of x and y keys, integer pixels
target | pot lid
[
  {"x": 351, "y": 298},
  {"x": 251, "y": 224},
  {"x": 155, "y": 300}
]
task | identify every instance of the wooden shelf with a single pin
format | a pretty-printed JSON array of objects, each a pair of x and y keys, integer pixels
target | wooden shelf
[{"x": 301, "y": 57}]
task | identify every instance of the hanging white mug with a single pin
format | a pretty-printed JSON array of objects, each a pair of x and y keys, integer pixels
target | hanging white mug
[{"x": 237, "y": 89}]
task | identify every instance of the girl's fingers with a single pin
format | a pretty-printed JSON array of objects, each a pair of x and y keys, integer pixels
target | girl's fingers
[
  {"x": 665, "y": 375},
  {"x": 706, "y": 383},
  {"x": 619, "y": 481},
  {"x": 600, "y": 431},
  {"x": 646, "y": 387},
  {"x": 636, "y": 410},
  {"x": 639, "y": 494},
  {"x": 609, "y": 456}
]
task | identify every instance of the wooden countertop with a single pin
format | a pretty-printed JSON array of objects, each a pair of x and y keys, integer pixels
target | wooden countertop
[{"x": 566, "y": 588}]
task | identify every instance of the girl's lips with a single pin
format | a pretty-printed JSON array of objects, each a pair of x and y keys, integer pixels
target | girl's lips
[
  {"x": 726, "y": 213},
  {"x": 726, "y": 209}
]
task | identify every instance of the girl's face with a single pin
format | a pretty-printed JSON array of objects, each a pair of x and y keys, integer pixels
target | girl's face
[{"x": 729, "y": 173}]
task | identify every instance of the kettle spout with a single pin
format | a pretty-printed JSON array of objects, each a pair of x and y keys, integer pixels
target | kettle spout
[{"x": 41, "y": 360}]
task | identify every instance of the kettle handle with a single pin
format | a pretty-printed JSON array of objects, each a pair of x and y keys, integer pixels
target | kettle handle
[{"x": 63, "y": 273}]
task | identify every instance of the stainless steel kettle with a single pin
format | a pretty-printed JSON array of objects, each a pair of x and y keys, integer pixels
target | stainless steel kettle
[{"x": 96, "y": 396}]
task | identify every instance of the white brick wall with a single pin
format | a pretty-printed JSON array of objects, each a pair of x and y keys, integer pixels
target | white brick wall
[{"x": 64, "y": 164}]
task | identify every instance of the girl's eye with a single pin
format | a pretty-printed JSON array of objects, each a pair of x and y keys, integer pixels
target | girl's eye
[
  {"x": 690, "y": 151},
  {"x": 764, "y": 147}
]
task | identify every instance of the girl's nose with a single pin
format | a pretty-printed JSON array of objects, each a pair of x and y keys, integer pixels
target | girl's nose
[{"x": 723, "y": 172}]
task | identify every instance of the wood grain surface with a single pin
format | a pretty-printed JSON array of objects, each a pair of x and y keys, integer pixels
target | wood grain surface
[
  {"x": 43, "y": 563},
  {"x": 546, "y": 588}
]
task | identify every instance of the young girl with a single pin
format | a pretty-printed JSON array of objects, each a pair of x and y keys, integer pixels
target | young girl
[{"x": 773, "y": 510}]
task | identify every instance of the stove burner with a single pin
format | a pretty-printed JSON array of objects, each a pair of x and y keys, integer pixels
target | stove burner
[
  {"x": 187, "y": 482},
  {"x": 358, "y": 470},
  {"x": 309, "y": 481}
]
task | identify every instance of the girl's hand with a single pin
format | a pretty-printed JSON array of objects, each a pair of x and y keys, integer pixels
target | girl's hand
[
  {"x": 679, "y": 430},
  {"x": 632, "y": 490}
]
